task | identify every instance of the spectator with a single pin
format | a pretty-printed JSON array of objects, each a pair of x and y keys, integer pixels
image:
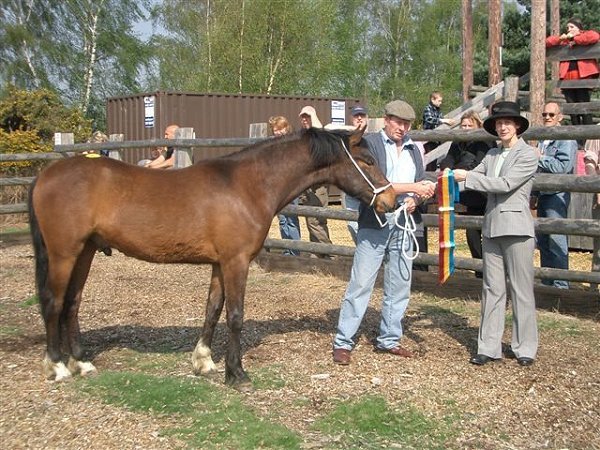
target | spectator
[
  {"x": 360, "y": 118},
  {"x": 555, "y": 156},
  {"x": 162, "y": 157},
  {"x": 591, "y": 160},
  {"x": 506, "y": 174},
  {"x": 400, "y": 160},
  {"x": 468, "y": 155},
  {"x": 433, "y": 118},
  {"x": 289, "y": 225},
  {"x": 308, "y": 118},
  {"x": 97, "y": 137},
  {"x": 580, "y": 69},
  {"x": 315, "y": 195}
]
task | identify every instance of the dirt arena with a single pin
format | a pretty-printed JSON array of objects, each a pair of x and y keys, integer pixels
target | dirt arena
[{"x": 135, "y": 311}]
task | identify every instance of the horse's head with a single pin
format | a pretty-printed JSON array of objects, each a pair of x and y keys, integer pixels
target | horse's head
[{"x": 357, "y": 174}]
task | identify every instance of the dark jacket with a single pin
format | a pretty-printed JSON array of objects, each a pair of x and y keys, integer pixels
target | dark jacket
[
  {"x": 366, "y": 217},
  {"x": 467, "y": 155}
]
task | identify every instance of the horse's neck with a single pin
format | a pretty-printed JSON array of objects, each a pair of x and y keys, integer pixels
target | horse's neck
[{"x": 289, "y": 171}]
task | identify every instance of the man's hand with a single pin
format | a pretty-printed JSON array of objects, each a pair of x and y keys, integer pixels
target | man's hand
[
  {"x": 425, "y": 189},
  {"x": 411, "y": 204}
]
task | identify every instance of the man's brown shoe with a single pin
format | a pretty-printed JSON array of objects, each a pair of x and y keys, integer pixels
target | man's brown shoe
[
  {"x": 397, "y": 351},
  {"x": 341, "y": 356}
]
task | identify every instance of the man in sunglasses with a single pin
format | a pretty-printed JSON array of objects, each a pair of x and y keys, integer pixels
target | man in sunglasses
[{"x": 554, "y": 157}]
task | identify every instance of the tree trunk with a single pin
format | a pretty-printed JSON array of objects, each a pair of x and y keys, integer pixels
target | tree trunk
[
  {"x": 467, "y": 44},
  {"x": 495, "y": 42}
]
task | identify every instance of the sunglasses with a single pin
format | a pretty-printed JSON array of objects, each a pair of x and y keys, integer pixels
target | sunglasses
[{"x": 548, "y": 115}]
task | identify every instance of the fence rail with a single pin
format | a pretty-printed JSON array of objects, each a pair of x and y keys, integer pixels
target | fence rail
[{"x": 542, "y": 182}]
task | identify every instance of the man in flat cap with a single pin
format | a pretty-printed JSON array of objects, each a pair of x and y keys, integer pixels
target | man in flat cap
[{"x": 380, "y": 240}]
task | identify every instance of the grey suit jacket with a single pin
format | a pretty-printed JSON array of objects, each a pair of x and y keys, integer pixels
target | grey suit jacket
[{"x": 507, "y": 211}]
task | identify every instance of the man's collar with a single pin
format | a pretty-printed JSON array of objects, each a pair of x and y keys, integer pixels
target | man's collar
[{"x": 386, "y": 139}]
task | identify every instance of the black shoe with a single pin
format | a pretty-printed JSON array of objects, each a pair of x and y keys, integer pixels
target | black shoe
[
  {"x": 508, "y": 352},
  {"x": 480, "y": 360},
  {"x": 525, "y": 362}
]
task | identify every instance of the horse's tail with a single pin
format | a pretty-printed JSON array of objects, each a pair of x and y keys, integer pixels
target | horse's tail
[{"x": 40, "y": 253}]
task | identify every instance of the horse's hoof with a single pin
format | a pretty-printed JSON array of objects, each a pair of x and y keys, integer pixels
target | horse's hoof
[
  {"x": 245, "y": 387},
  {"x": 84, "y": 368},
  {"x": 87, "y": 369},
  {"x": 55, "y": 371},
  {"x": 202, "y": 361}
]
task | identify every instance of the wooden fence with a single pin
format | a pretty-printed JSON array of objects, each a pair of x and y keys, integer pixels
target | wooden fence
[{"x": 572, "y": 183}]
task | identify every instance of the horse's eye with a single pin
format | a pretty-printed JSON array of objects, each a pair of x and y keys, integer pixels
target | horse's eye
[{"x": 367, "y": 159}]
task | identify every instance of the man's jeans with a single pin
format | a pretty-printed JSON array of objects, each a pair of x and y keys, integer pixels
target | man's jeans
[
  {"x": 289, "y": 227},
  {"x": 554, "y": 248},
  {"x": 374, "y": 247}
]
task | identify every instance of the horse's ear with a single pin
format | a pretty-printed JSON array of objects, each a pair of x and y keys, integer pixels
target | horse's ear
[{"x": 357, "y": 135}]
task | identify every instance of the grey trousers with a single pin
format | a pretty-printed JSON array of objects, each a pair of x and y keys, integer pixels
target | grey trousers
[{"x": 512, "y": 257}]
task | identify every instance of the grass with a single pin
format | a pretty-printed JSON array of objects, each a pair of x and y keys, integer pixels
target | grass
[
  {"x": 7, "y": 330},
  {"x": 33, "y": 300},
  {"x": 214, "y": 417},
  {"x": 371, "y": 423},
  {"x": 563, "y": 327}
]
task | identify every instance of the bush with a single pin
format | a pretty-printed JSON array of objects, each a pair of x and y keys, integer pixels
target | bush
[{"x": 21, "y": 142}]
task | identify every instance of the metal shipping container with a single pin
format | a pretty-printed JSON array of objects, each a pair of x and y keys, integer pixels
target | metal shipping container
[{"x": 145, "y": 116}]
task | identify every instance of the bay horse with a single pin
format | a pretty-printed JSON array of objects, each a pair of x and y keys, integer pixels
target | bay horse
[{"x": 218, "y": 211}]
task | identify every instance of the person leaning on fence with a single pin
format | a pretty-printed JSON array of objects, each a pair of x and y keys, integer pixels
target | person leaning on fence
[
  {"x": 98, "y": 137},
  {"x": 580, "y": 69},
  {"x": 400, "y": 160},
  {"x": 162, "y": 157},
  {"x": 591, "y": 160},
  {"x": 289, "y": 225},
  {"x": 433, "y": 118},
  {"x": 558, "y": 157},
  {"x": 318, "y": 230},
  {"x": 468, "y": 155},
  {"x": 506, "y": 174}
]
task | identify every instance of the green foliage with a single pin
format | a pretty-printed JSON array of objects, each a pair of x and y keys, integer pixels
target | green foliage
[
  {"x": 371, "y": 423},
  {"x": 28, "y": 121},
  {"x": 563, "y": 327},
  {"x": 215, "y": 418},
  {"x": 33, "y": 300},
  {"x": 41, "y": 111},
  {"x": 21, "y": 142},
  {"x": 85, "y": 50}
]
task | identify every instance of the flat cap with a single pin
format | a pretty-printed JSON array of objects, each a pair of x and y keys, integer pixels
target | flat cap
[{"x": 400, "y": 109}]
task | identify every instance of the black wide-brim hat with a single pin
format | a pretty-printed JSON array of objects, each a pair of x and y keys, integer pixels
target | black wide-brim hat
[{"x": 505, "y": 110}]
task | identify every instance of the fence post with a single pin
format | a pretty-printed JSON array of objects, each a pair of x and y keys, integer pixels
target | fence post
[
  {"x": 115, "y": 154},
  {"x": 64, "y": 139},
  {"x": 511, "y": 89},
  {"x": 183, "y": 156}
]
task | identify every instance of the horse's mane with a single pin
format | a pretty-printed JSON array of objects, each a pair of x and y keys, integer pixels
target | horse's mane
[{"x": 324, "y": 144}]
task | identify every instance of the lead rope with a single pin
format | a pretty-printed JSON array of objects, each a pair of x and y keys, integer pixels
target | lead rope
[
  {"x": 409, "y": 228},
  {"x": 409, "y": 223}
]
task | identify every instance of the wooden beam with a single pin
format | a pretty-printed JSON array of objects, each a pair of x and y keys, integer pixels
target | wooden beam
[
  {"x": 566, "y": 53},
  {"x": 537, "y": 68}
]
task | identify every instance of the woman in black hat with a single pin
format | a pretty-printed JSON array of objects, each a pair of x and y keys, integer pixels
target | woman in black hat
[{"x": 506, "y": 175}]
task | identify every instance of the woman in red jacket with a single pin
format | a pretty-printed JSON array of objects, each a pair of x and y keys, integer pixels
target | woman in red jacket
[{"x": 577, "y": 69}]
